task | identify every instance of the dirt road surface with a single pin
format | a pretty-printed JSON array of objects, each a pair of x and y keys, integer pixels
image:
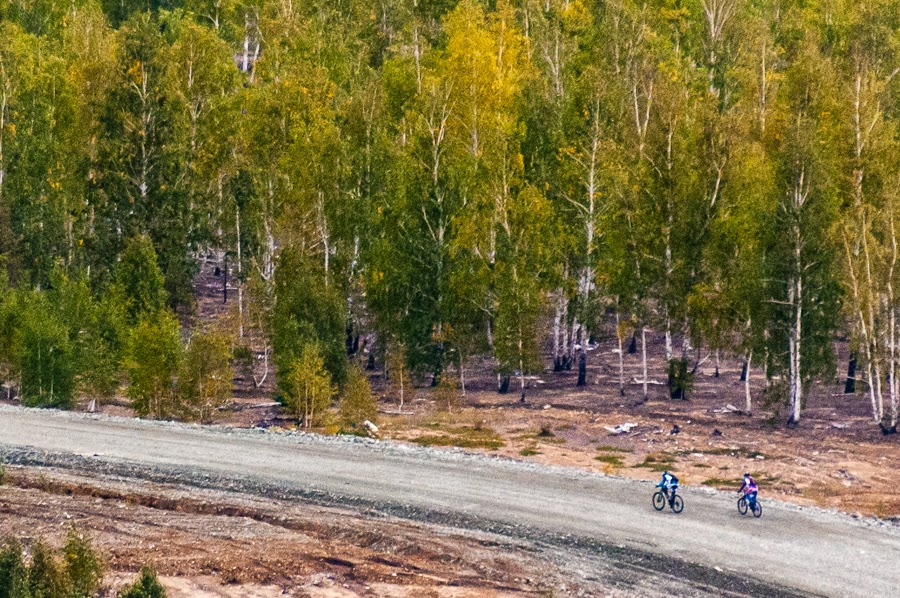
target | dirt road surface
[{"x": 790, "y": 551}]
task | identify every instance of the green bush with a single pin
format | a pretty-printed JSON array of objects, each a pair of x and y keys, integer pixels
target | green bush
[
  {"x": 13, "y": 572},
  {"x": 357, "y": 402},
  {"x": 206, "y": 377},
  {"x": 681, "y": 379},
  {"x": 46, "y": 358},
  {"x": 145, "y": 586},
  {"x": 307, "y": 386},
  {"x": 153, "y": 355},
  {"x": 74, "y": 572},
  {"x": 46, "y": 576},
  {"x": 84, "y": 567},
  {"x": 139, "y": 276}
]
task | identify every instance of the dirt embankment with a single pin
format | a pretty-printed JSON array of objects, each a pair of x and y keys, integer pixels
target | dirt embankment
[{"x": 206, "y": 543}]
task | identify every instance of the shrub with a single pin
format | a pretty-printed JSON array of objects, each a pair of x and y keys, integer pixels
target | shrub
[
  {"x": 206, "y": 377},
  {"x": 145, "y": 586},
  {"x": 46, "y": 363},
  {"x": 307, "y": 386},
  {"x": 139, "y": 276},
  {"x": 13, "y": 573},
  {"x": 681, "y": 379},
  {"x": 83, "y": 565},
  {"x": 46, "y": 577},
  {"x": 357, "y": 403},
  {"x": 153, "y": 354}
]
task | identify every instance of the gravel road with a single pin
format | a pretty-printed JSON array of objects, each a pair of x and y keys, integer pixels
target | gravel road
[{"x": 790, "y": 551}]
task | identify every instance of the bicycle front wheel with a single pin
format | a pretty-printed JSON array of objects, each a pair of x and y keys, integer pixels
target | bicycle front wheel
[
  {"x": 677, "y": 505},
  {"x": 742, "y": 505},
  {"x": 659, "y": 501}
]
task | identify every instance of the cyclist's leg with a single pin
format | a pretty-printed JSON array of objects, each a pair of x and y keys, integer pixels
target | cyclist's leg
[{"x": 751, "y": 498}]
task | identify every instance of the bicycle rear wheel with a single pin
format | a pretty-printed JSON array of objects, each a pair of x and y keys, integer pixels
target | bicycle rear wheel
[
  {"x": 757, "y": 510},
  {"x": 742, "y": 505},
  {"x": 677, "y": 504},
  {"x": 659, "y": 501}
]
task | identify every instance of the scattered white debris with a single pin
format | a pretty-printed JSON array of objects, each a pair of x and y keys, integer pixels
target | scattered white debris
[
  {"x": 371, "y": 428},
  {"x": 620, "y": 429},
  {"x": 839, "y": 425},
  {"x": 640, "y": 381},
  {"x": 548, "y": 406}
]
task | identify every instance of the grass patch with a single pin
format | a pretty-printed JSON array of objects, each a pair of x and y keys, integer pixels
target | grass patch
[
  {"x": 761, "y": 479},
  {"x": 545, "y": 432},
  {"x": 701, "y": 466},
  {"x": 613, "y": 449},
  {"x": 553, "y": 440},
  {"x": 529, "y": 451},
  {"x": 721, "y": 451},
  {"x": 718, "y": 482},
  {"x": 472, "y": 437},
  {"x": 610, "y": 459},
  {"x": 658, "y": 461},
  {"x": 2, "y": 475}
]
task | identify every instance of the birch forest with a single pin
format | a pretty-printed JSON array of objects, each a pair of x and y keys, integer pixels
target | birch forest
[{"x": 428, "y": 184}]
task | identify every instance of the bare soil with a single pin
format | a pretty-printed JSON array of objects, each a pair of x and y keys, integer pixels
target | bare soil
[{"x": 204, "y": 543}]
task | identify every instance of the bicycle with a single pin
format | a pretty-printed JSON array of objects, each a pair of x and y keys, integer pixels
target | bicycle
[
  {"x": 743, "y": 506},
  {"x": 660, "y": 498}
]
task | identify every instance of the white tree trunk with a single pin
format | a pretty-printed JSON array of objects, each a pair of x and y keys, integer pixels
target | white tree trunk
[
  {"x": 796, "y": 380},
  {"x": 557, "y": 324},
  {"x": 644, "y": 357},
  {"x": 747, "y": 397},
  {"x": 621, "y": 357}
]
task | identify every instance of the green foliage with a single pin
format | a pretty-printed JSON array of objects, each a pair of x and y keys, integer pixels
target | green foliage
[
  {"x": 46, "y": 576},
  {"x": 306, "y": 386},
  {"x": 153, "y": 357},
  {"x": 46, "y": 361},
  {"x": 77, "y": 572},
  {"x": 140, "y": 278},
  {"x": 308, "y": 312},
  {"x": 84, "y": 567},
  {"x": 13, "y": 571},
  {"x": 357, "y": 403},
  {"x": 205, "y": 381},
  {"x": 145, "y": 586},
  {"x": 680, "y": 378},
  {"x": 435, "y": 175}
]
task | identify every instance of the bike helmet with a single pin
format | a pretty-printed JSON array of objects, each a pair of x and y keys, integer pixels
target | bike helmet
[{"x": 746, "y": 475}]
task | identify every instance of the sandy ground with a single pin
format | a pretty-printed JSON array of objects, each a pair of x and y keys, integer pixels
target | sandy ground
[{"x": 604, "y": 521}]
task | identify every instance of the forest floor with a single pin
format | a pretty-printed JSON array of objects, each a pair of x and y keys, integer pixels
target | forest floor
[{"x": 837, "y": 457}]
